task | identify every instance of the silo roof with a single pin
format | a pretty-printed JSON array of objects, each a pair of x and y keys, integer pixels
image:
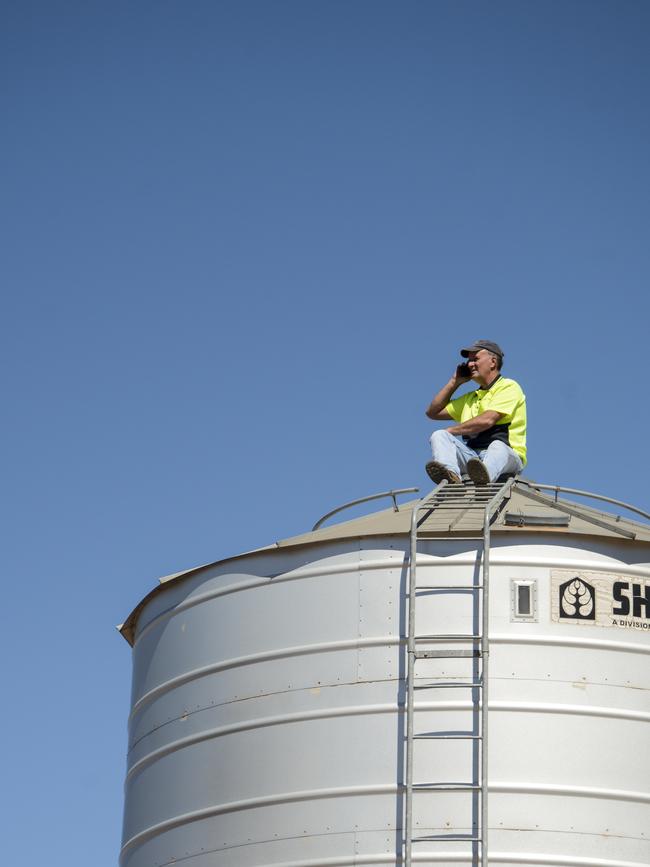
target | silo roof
[{"x": 527, "y": 509}]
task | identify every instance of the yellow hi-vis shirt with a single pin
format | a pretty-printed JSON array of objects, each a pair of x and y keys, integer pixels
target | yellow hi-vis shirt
[{"x": 504, "y": 396}]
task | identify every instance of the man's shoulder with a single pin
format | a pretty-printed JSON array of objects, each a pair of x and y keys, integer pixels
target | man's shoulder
[{"x": 503, "y": 383}]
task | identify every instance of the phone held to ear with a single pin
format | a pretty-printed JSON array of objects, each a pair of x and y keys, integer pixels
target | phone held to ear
[{"x": 463, "y": 370}]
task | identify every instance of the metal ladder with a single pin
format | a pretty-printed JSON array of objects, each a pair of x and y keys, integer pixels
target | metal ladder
[{"x": 457, "y": 501}]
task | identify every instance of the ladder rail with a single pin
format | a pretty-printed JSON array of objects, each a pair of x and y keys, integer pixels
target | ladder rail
[
  {"x": 485, "y": 664},
  {"x": 488, "y": 505},
  {"x": 410, "y": 693}
]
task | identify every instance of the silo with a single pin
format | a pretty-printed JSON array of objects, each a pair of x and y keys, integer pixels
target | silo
[{"x": 272, "y": 720}]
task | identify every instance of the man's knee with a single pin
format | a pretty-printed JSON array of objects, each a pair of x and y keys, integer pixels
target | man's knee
[
  {"x": 440, "y": 436},
  {"x": 507, "y": 459}
]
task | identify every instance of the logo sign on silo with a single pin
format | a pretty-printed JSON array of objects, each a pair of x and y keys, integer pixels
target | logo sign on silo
[
  {"x": 577, "y": 600},
  {"x": 599, "y": 599}
]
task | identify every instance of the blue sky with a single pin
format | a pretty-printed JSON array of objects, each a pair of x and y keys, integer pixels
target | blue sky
[{"x": 243, "y": 243}]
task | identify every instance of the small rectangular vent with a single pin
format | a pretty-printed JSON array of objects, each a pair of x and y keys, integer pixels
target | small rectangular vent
[{"x": 524, "y": 600}]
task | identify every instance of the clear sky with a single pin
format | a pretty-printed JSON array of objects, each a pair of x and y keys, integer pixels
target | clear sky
[{"x": 242, "y": 245}]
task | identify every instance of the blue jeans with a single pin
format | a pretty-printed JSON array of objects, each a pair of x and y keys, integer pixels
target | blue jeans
[{"x": 454, "y": 454}]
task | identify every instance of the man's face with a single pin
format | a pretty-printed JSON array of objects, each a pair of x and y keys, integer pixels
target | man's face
[{"x": 482, "y": 364}]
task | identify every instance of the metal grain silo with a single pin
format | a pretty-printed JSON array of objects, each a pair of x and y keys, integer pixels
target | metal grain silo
[{"x": 273, "y": 721}]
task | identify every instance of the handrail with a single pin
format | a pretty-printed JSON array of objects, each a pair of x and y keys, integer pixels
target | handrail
[
  {"x": 392, "y": 494},
  {"x": 558, "y": 488}
]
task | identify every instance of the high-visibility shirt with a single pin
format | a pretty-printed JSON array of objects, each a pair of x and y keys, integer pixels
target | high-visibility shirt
[{"x": 504, "y": 396}]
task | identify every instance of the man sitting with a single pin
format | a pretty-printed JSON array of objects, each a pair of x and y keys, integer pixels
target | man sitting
[{"x": 489, "y": 438}]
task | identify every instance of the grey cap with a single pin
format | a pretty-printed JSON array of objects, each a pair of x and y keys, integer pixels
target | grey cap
[{"x": 482, "y": 344}]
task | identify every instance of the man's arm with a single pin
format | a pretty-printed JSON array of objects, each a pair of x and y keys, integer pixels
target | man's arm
[
  {"x": 475, "y": 425},
  {"x": 436, "y": 409}
]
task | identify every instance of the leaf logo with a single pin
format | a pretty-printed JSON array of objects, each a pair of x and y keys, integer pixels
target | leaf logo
[{"x": 577, "y": 600}]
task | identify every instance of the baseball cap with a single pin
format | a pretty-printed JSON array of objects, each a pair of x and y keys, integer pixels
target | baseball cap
[{"x": 482, "y": 344}]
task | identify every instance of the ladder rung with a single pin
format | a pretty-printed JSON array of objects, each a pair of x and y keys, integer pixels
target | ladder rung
[
  {"x": 446, "y": 654},
  {"x": 454, "y": 636},
  {"x": 434, "y": 737},
  {"x": 443, "y": 838},
  {"x": 470, "y": 487},
  {"x": 445, "y": 787},
  {"x": 461, "y": 490},
  {"x": 452, "y": 685},
  {"x": 459, "y": 496},
  {"x": 468, "y": 507},
  {"x": 455, "y": 506},
  {"x": 454, "y": 493},
  {"x": 457, "y": 493},
  {"x": 448, "y": 587},
  {"x": 439, "y": 533},
  {"x": 458, "y": 503}
]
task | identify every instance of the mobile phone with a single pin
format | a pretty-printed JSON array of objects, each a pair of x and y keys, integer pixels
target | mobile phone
[{"x": 463, "y": 369}]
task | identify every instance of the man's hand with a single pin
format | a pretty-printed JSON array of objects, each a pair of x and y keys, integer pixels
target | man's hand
[
  {"x": 477, "y": 425},
  {"x": 436, "y": 409}
]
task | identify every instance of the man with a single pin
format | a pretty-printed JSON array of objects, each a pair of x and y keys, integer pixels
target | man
[{"x": 489, "y": 437}]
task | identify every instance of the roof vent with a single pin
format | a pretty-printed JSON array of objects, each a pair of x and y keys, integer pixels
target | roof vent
[{"x": 537, "y": 518}]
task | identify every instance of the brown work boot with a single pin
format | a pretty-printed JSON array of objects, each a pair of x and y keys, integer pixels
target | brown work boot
[
  {"x": 437, "y": 472},
  {"x": 477, "y": 471}
]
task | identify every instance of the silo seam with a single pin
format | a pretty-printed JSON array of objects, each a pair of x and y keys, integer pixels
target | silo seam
[
  {"x": 522, "y": 859},
  {"x": 519, "y": 858},
  {"x": 565, "y": 641},
  {"x": 386, "y": 789},
  {"x": 253, "y": 803},
  {"x": 250, "y": 659},
  {"x": 352, "y": 644},
  {"x": 361, "y": 710},
  {"x": 619, "y": 713},
  {"x": 260, "y": 722}
]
